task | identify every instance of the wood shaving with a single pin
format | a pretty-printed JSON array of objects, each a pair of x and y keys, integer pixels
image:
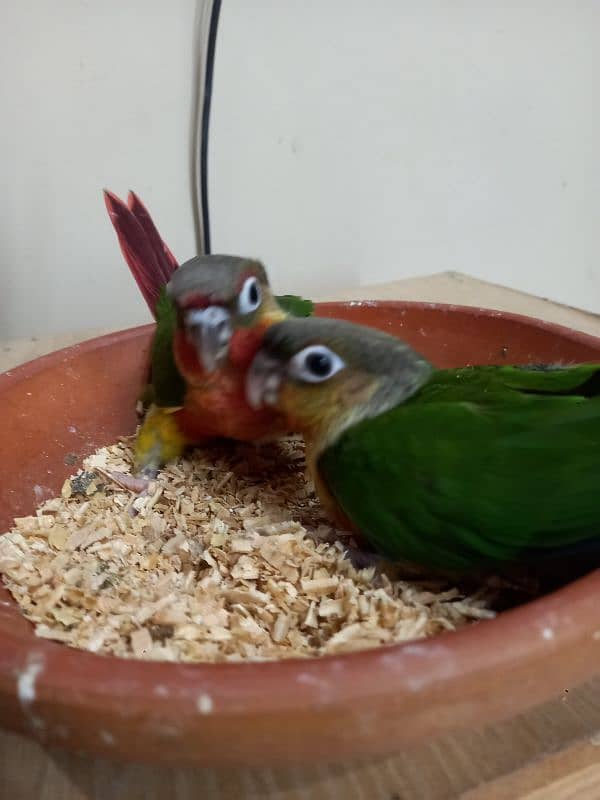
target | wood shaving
[{"x": 227, "y": 557}]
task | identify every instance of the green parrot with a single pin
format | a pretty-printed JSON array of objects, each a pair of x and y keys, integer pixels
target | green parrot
[
  {"x": 211, "y": 313},
  {"x": 454, "y": 470}
]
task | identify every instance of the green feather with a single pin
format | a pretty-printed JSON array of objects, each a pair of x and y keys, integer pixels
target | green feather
[
  {"x": 167, "y": 383},
  {"x": 296, "y": 306},
  {"x": 482, "y": 465}
]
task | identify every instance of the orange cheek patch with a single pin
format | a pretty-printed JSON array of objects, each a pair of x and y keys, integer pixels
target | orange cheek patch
[
  {"x": 186, "y": 356},
  {"x": 244, "y": 345}
]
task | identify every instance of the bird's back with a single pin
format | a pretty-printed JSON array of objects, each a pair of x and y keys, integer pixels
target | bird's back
[{"x": 482, "y": 465}]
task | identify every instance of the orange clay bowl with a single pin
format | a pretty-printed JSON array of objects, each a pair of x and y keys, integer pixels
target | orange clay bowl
[{"x": 296, "y": 711}]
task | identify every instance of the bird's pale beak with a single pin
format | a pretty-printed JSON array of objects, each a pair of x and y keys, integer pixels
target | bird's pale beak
[
  {"x": 263, "y": 381},
  {"x": 210, "y": 331}
]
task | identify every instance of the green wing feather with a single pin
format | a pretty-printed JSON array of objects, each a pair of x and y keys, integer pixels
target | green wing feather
[
  {"x": 167, "y": 383},
  {"x": 296, "y": 306},
  {"x": 483, "y": 465}
]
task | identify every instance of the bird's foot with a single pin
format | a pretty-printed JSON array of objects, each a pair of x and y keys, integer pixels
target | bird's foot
[
  {"x": 137, "y": 485},
  {"x": 141, "y": 486},
  {"x": 363, "y": 559}
]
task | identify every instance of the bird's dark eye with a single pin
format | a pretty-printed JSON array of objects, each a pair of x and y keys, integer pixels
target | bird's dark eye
[
  {"x": 250, "y": 296},
  {"x": 319, "y": 364},
  {"x": 315, "y": 364}
]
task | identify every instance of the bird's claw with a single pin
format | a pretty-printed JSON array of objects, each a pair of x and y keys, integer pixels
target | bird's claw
[{"x": 137, "y": 485}]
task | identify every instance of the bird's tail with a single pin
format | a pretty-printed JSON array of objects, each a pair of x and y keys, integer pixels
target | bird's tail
[{"x": 148, "y": 257}]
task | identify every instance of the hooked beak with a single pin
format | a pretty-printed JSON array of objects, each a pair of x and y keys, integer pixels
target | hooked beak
[
  {"x": 210, "y": 331},
  {"x": 263, "y": 380}
]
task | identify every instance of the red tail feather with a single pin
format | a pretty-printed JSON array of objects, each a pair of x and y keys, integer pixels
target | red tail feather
[
  {"x": 164, "y": 255},
  {"x": 150, "y": 261}
]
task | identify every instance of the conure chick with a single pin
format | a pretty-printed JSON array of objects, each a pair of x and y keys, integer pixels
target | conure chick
[
  {"x": 211, "y": 314},
  {"x": 455, "y": 469}
]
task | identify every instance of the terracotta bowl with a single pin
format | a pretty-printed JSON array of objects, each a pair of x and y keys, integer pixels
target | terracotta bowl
[{"x": 67, "y": 404}]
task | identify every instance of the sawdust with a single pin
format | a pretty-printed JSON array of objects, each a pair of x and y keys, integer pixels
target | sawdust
[{"x": 228, "y": 557}]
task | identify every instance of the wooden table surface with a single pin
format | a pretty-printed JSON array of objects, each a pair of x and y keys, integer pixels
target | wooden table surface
[{"x": 549, "y": 753}]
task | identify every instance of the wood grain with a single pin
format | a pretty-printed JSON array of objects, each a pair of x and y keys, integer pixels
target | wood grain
[{"x": 548, "y": 750}]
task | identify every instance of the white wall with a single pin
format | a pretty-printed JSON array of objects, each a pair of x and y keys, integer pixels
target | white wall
[
  {"x": 350, "y": 142},
  {"x": 92, "y": 94},
  {"x": 366, "y": 141}
]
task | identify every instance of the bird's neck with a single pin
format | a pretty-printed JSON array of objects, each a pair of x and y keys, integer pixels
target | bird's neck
[{"x": 366, "y": 401}]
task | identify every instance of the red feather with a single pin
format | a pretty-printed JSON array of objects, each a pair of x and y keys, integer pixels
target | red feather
[
  {"x": 166, "y": 258},
  {"x": 216, "y": 404},
  {"x": 149, "y": 259}
]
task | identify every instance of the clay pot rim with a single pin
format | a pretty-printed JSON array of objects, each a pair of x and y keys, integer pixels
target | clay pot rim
[
  {"x": 35, "y": 365},
  {"x": 534, "y": 629}
]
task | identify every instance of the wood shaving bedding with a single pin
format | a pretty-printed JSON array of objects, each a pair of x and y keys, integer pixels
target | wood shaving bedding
[{"x": 227, "y": 557}]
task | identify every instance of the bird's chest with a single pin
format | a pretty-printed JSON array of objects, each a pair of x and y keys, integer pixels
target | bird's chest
[{"x": 218, "y": 408}]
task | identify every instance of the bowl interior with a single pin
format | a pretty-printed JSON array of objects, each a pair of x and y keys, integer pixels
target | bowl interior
[{"x": 59, "y": 408}]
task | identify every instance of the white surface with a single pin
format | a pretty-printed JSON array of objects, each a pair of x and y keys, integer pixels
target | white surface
[
  {"x": 350, "y": 143},
  {"x": 366, "y": 141},
  {"x": 93, "y": 94}
]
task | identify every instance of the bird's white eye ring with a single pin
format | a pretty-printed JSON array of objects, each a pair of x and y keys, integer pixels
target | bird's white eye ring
[
  {"x": 250, "y": 296},
  {"x": 315, "y": 364}
]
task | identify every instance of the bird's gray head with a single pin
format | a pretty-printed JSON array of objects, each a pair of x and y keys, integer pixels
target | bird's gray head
[
  {"x": 328, "y": 374},
  {"x": 215, "y": 295}
]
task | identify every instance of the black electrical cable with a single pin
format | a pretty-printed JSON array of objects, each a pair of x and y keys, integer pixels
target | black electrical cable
[{"x": 208, "y": 81}]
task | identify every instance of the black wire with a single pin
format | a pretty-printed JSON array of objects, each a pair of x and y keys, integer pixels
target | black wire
[{"x": 208, "y": 81}]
